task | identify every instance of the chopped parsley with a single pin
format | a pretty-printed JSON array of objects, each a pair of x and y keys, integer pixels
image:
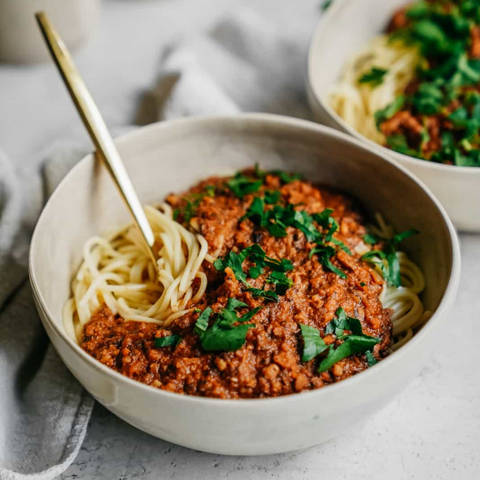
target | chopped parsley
[
  {"x": 313, "y": 344},
  {"x": 351, "y": 344},
  {"x": 428, "y": 99},
  {"x": 370, "y": 239},
  {"x": 371, "y": 360},
  {"x": 324, "y": 253},
  {"x": 327, "y": 222},
  {"x": 374, "y": 77},
  {"x": 193, "y": 201},
  {"x": 241, "y": 185},
  {"x": 234, "y": 261},
  {"x": 390, "y": 110},
  {"x": 170, "y": 341},
  {"x": 284, "y": 177},
  {"x": 390, "y": 270},
  {"x": 343, "y": 322},
  {"x": 260, "y": 259},
  {"x": 223, "y": 336},
  {"x": 357, "y": 342},
  {"x": 276, "y": 220},
  {"x": 268, "y": 295},
  {"x": 399, "y": 143},
  {"x": 272, "y": 197},
  {"x": 281, "y": 281},
  {"x": 272, "y": 219},
  {"x": 202, "y": 322}
]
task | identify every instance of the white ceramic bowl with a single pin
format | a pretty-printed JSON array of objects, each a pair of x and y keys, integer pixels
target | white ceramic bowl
[
  {"x": 346, "y": 27},
  {"x": 172, "y": 156}
]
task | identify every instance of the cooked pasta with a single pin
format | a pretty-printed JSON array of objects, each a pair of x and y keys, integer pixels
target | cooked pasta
[
  {"x": 407, "y": 309},
  {"x": 357, "y": 103},
  {"x": 117, "y": 272}
]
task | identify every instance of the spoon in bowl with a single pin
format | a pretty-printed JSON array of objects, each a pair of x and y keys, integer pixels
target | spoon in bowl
[{"x": 97, "y": 129}]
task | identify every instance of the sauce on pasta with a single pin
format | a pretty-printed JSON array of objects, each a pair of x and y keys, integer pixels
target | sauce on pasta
[{"x": 288, "y": 290}]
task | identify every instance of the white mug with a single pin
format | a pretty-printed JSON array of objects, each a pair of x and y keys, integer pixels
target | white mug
[{"x": 20, "y": 37}]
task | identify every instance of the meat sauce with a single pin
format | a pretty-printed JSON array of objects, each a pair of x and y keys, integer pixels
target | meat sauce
[{"x": 269, "y": 363}]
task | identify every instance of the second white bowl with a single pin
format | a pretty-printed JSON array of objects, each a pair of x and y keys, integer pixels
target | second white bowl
[{"x": 346, "y": 27}]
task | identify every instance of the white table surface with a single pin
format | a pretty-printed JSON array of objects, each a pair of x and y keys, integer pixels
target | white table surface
[{"x": 431, "y": 431}]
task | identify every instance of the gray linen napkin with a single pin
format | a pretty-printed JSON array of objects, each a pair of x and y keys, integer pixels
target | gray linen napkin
[
  {"x": 242, "y": 65},
  {"x": 44, "y": 411}
]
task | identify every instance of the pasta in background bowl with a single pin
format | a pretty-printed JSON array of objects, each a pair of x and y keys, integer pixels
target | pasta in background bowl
[
  {"x": 339, "y": 99},
  {"x": 86, "y": 204}
]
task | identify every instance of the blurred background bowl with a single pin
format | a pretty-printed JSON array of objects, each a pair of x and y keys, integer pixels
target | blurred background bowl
[{"x": 346, "y": 27}]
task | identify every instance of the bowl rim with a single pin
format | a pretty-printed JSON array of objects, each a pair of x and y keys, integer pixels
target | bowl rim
[
  {"x": 274, "y": 121},
  {"x": 328, "y": 18}
]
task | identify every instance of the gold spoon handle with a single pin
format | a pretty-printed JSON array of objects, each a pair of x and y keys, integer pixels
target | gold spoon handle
[{"x": 96, "y": 127}]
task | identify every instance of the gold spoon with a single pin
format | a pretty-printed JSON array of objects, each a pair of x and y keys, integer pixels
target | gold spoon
[{"x": 97, "y": 128}]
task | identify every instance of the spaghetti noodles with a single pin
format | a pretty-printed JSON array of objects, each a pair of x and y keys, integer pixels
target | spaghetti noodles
[
  {"x": 357, "y": 103},
  {"x": 407, "y": 309},
  {"x": 117, "y": 272}
]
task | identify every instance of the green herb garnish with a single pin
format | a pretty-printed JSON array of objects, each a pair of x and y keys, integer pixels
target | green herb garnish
[
  {"x": 428, "y": 99},
  {"x": 374, "y": 77},
  {"x": 284, "y": 177},
  {"x": 399, "y": 143},
  {"x": 358, "y": 342},
  {"x": 390, "y": 271},
  {"x": 202, "y": 321},
  {"x": 343, "y": 322},
  {"x": 234, "y": 261},
  {"x": 281, "y": 281},
  {"x": 257, "y": 255},
  {"x": 272, "y": 197},
  {"x": 276, "y": 220},
  {"x": 324, "y": 253},
  {"x": 268, "y": 295},
  {"x": 219, "y": 339},
  {"x": 233, "y": 303},
  {"x": 241, "y": 185},
  {"x": 390, "y": 110},
  {"x": 170, "y": 341},
  {"x": 371, "y": 360},
  {"x": 193, "y": 201},
  {"x": 223, "y": 335},
  {"x": 351, "y": 344},
  {"x": 313, "y": 344},
  {"x": 370, "y": 239}
]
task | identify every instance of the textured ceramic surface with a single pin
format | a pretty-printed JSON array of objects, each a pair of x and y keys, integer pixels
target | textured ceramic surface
[
  {"x": 458, "y": 188},
  {"x": 171, "y": 156}
]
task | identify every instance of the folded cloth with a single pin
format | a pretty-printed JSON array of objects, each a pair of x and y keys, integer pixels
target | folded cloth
[
  {"x": 44, "y": 411},
  {"x": 243, "y": 64}
]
